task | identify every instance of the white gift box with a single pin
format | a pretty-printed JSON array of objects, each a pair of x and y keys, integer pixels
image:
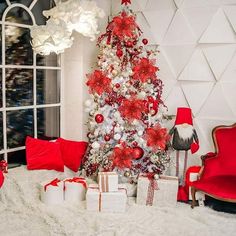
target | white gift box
[
  {"x": 162, "y": 191},
  {"x": 52, "y": 192},
  {"x": 199, "y": 195},
  {"x": 108, "y": 181},
  {"x": 106, "y": 201},
  {"x": 75, "y": 189}
]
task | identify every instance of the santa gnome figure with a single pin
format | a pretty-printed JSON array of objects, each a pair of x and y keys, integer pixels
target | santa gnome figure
[{"x": 184, "y": 136}]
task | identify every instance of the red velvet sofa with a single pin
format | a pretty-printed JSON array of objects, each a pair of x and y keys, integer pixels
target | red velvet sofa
[{"x": 217, "y": 177}]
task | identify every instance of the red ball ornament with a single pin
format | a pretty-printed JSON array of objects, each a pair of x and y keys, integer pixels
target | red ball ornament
[
  {"x": 137, "y": 152},
  {"x": 135, "y": 144},
  {"x": 117, "y": 85},
  {"x": 99, "y": 118},
  {"x": 119, "y": 53},
  {"x": 145, "y": 41},
  {"x": 107, "y": 137},
  {"x": 129, "y": 44}
]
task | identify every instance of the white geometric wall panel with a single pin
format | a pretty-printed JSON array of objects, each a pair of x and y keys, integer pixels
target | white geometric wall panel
[
  {"x": 196, "y": 94},
  {"x": 197, "y": 69},
  {"x": 219, "y": 56},
  {"x": 159, "y": 22},
  {"x": 199, "y": 18},
  {"x": 179, "y": 32},
  {"x": 219, "y": 30},
  {"x": 230, "y": 12},
  {"x": 230, "y": 71},
  {"x": 178, "y": 56}
]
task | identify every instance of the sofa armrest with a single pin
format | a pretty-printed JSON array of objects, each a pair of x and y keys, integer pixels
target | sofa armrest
[{"x": 207, "y": 156}]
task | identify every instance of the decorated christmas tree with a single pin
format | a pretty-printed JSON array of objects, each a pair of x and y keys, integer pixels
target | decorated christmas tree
[{"x": 125, "y": 124}]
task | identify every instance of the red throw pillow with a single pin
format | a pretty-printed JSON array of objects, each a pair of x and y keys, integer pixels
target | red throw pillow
[
  {"x": 41, "y": 154},
  {"x": 72, "y": 152}
]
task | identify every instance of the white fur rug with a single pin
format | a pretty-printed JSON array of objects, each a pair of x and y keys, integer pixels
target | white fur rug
[{"x": 23, "y": 214}]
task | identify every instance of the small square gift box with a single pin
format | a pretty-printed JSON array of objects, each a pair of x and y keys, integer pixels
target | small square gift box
[
  {"x": 106, "y": 201},
  {"x": 157, "y": 191},
  {"x": 3, "y": 166},
  {"x": 74, "y": 189},
  {"x": 52, "y": 192},
  {"x": 108, "y": 181}
]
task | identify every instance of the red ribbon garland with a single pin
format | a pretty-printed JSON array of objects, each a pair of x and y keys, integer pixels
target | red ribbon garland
[
  {"x": 53, "y": 183},
  {"x": 77, "y": 180}
]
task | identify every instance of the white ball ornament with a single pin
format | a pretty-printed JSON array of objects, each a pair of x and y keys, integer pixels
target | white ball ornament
[
  {"x": 156, "y": 176},
  {"x": 95, "y": 145},
  {"x": 140, "y": 133},
  {"x": 117, "y": 137},
  {"x": 88, "y": 103}
]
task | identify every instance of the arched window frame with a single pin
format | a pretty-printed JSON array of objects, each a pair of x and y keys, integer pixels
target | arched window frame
[{"x": 4, "y": 109}]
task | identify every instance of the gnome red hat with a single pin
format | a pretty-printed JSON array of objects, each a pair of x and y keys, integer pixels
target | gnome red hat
[{"x": 184, "y": 115}]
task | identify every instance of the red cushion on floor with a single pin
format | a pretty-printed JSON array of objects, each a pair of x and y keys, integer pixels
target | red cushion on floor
[
  {"x": 41, "y": 154},
  {"x": 1, "y": 178},
  {"x": 218, "y": 186},
  {"x": 72, "y": 152}
]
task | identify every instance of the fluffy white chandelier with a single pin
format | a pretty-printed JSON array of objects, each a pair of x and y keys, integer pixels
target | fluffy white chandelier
[{"x": 67, "y": 16}]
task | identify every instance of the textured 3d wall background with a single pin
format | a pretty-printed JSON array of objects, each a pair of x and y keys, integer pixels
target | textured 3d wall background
[{"x": 197, "y": 43}]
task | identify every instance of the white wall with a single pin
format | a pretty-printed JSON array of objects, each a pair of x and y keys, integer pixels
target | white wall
[{"x": 197, "y": 61}]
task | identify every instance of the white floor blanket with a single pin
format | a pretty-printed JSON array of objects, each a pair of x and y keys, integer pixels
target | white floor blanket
[{"x": 22, "y": 213}]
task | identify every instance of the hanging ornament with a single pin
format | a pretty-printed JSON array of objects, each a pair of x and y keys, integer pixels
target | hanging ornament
[
  {"x": 137, "y": 152},
  {"x": 96, "y": 145},
  {"x": 127, "y": 174},
  {"x": 129, "y": 44},
  {"x": 99, "y": 118},
  {"x": 107, "y": 137},
  {"x": 119, "y": 53},
  {"x": 135, "y": 144},
  {"x": 145, "y": 41},
  {"x": 117, "y": 136}
]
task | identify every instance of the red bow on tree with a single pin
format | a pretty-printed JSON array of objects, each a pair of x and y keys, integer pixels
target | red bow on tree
[
  {"x": 126, "y": 2},
  {"x": 157, "y": 137}
]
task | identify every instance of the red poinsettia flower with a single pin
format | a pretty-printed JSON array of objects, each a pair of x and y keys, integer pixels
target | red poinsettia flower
[
  {"x": 132, "y": 109},
  {"x": 144, "y": 70},
  {"x": 157, "y": 137},
  {"x": 123, "y": 25},
  {"x": 98, "y": 83},
  {"x": 122, "y": 157}
]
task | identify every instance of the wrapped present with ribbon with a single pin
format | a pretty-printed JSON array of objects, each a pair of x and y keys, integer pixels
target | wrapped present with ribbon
[
  {"x": 106, "y": 201},
  {"x": 157, "y": 191},
  {"x": 75, "y": 189},
  {"x": 3, "y": 166},
  {"x": 52, "y": 192},
  {"x": 108, "y": 181}
]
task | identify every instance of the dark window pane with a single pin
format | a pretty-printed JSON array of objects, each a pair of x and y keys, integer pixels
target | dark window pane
[
  {"x": 3, "y": 6},
  {"x": 19, "y": 15},
  {"x": 48, "y": 121},
  {"x": 0, "y": 44},
  {"x": 38, "y": 9},
  {"x": 25, "y": 2},
  {"x": 19, "y": 125},
  {"x": 1, "y": 132},
  {"x": 19, "y": 87},
  {"x": 48, "y": 86},
  {"x": 18, "y": 48},
  {"x": 0, "y": 87},
  {"x": 16, "y": 157},
  {"x": 50, "y": 60}
]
